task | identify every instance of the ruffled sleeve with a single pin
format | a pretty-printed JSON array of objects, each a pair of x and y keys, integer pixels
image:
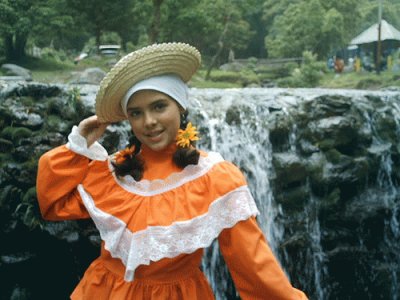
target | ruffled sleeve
[
  {"x": 60, "y": 171},
  {"x": 254, "y": 269}
]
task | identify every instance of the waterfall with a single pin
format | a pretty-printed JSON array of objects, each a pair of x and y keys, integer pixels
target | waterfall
[
  {"x": 237, "y": 123},
  {"x": 242, "y": 138}
]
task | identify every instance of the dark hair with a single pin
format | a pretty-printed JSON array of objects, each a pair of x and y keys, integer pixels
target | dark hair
[{"x": 134, "y": 166}]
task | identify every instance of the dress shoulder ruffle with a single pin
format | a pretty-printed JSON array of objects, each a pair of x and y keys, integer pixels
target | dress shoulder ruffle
[{"x": 166, "y": 218}]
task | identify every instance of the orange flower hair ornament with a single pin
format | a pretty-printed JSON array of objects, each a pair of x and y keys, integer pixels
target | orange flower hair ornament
[
  {"x": 185, "y": 137},
  {"x": 122, "y": 155}
]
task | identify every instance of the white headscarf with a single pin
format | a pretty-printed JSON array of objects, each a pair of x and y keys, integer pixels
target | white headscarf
[{"x": 169, "y": 84}]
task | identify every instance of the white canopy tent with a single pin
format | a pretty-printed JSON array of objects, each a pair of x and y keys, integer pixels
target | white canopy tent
[{"x": 388, "y": 32}]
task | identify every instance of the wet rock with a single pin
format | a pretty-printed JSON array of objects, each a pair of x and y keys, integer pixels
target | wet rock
[
  {"x": 289, "y": 168},
  {"x": 233, "y": 116},
  {"x": 279, "y": 126},
  {"x": 293, "y": 199}
]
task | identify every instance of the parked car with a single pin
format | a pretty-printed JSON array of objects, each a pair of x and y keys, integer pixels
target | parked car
[{"x": 109, "y": 50}]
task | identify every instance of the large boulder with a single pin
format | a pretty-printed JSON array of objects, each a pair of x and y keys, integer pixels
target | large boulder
[
  {"x": 89, "y": 76},
  {"x": 14, "y": 70}
]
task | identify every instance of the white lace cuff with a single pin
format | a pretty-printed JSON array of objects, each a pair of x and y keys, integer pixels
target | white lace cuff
[{"x": 78, "y": 144}]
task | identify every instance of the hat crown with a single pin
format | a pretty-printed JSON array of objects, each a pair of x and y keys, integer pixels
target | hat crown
[{"x": 157, "y": 59}]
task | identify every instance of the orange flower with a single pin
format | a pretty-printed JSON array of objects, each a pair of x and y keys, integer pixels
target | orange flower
[
  {"x": 185, "y": 137},
  {"x": 122, "y": 155}
]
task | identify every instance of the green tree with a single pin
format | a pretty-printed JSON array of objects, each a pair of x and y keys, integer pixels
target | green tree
[
  {"x": 332, "y": 33},
  {"x": 99, "y": 16},
  {"x": 62, "y": 31},
  {"x": 369, "y": 13},
  {"x": 254, "y": 16},
  {"x": 16, "y": 20},
  {"x": 349, "y": 10},
  {"x": 154, "y": 29},
  {"x": 24, "y": 21},
  {"x": 297, "y": 30},
  {"x": 314, "y": 25},
  {"x": 214, "y": 27}
]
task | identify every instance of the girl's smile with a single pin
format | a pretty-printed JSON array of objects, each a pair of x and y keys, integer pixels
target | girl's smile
[{"x": 154, "y": 118}]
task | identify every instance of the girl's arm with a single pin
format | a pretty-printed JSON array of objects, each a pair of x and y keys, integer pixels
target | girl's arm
[
  {"x": 253, "y": 267},
  {"x": 62, "y": 169},
  {"x": 59, "y": 173}
]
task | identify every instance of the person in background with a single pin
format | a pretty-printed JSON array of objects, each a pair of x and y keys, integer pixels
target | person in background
[
  {"x": 158, "y": 203},
  {"x": 357, "y": 64},
  {"x": 339, "y": 64}
]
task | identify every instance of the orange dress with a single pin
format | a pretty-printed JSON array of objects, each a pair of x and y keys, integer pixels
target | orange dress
[{"x": 153, "y": 231}]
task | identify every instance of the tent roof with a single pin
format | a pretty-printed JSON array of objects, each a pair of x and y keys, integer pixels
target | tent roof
[{"x": 388, "y": 32}]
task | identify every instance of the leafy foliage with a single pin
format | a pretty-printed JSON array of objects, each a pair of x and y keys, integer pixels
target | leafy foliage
[
  {"x": 260, "y": 28},
  {"x": 308, "y": 75}
]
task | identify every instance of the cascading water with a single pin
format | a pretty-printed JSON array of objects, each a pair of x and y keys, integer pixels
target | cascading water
[
  {"x": 241, "y": 137},
  {"x": 237, "y": 124}
]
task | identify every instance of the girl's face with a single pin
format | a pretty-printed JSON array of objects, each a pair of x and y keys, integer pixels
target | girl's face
[{"x": 154, "y": 118}]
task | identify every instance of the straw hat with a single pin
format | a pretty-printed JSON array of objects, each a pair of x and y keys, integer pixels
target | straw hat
[{"x": 177, "y": 58}]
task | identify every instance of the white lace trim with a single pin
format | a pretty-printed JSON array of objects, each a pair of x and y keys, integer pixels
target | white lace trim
[
  {"x": 157, "y": 242},
  {"x": 154, "y": 187},
  {"x": 78, "y": 144}
]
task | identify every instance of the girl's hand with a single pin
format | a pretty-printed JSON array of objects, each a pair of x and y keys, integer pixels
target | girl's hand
[{"x": 91, "y": 129}]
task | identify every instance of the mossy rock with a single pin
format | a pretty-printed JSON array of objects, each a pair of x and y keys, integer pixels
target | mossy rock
[
  {"x": 330, "y": 203},
  {"x": 386, "y": 126},
  {"x": 290, "y": 170},
  {"x": 15, "y": 134},
  {"x": 232, "y": 116},
  {"x": 27, "y": 101},
  {"x": 28, "y": 211},
  {"x": 22, "y": 175},
  {"x": 4, "y": 158},
  {"x": 30, "y": 195},
  {"x": 10, "y": 197},
  {"x": 334, "y": 156},
  {"x": 55, "y": 123},
  {"x": 293, "y": 199},
  {"x": 55, "y": 106},
  {"x": 24, "y": 152},
  {"x": 6, "y": 145},
  {"x": 279, "y": 130}
]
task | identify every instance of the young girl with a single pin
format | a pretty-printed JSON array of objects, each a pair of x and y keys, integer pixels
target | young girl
[{"x": 159, "y": 202}]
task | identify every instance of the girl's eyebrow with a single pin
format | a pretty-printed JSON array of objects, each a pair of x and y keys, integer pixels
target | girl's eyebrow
[{"x": 155, "y": 102}]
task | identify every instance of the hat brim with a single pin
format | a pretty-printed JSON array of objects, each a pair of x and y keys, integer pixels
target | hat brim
[{"x": 169, "y": 58}]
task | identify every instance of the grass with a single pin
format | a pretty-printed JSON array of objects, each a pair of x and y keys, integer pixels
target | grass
[
  {"x": 50, "y": 70},
  {"x": 198, "y": 81},
  {"x": 362, "y": 80}
]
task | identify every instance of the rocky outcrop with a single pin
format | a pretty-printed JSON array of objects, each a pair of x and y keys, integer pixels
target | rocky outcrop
[
  {"x": 322, "y": 165},
  {"x": 35, "y": 118},
  {"x": 336, "y": 160}
]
